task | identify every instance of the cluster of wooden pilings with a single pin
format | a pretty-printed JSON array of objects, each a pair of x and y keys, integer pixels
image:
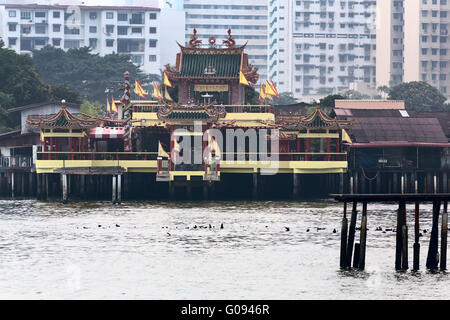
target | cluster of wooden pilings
[{"x": 354, "y": 254}]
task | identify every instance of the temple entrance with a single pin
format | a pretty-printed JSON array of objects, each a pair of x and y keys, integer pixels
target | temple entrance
[{"x": 215, "y": 93}]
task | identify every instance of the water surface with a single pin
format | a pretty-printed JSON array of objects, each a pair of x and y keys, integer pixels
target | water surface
[{"x": 154, "y": 250}]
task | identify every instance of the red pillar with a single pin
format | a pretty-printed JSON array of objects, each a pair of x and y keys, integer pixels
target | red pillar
[
  {"x": 299, "y": 147},
  {"x": 51, "y": 147},
  {"x": 308, "y": 148},
  {"x": 328, "y": 148},
  {"x": 70, "y": 148}
]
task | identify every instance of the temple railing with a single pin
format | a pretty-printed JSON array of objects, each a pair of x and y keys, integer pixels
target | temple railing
[
  {"x": 139, "y": 156},
  {"x": 248, "y": 109},
  {"x": 226, "y": 156},
  {"x": 299, "y": 156},
  {"x": 16, "y": 162}
]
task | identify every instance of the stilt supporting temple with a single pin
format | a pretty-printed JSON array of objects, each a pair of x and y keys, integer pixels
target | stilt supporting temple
[
  {"x": 114, "y": 197},
  {"x": 119, "y": 189},
  {"x": 64, "y": 188},
  {"x": 255, "y": 186},
  {"x": 296, "y": 185}
]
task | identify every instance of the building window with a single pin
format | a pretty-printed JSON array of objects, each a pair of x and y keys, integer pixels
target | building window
[
  {"x": 152, "y": 58},
  {"x": 56, "y": 28},
  {"x": 12, "y": 27},
  {"x": 92, "y": 29},
  {"x": 109, "y": 29},
  {"x": 152, "y": 43},
  {"x": 56, "y": 14},
  {"x": 39, "y": 42},
  {"x": 92, "y": 15},
  {"x": 93, "y": 43},
  {"x": 122, "y": 17},
  {"x": 12, "y": 13},
  {"x": 40, "y": 14},
  {"x": 136, "y": 59},
  {"x": 152, "y": 16},
  {"x": 56, "y": 42},
  {"x": 109, "y": 42},
  {"x": 152, "y": 30},
  {"x": 12, "y": 41},
  {"x": 136, "y": 30},
  {"x": 25, "y": 15},
  {"x": 110, "y": 15},
  {"x": 123, "y": 31},
  {"x": 40, "y": 29}
]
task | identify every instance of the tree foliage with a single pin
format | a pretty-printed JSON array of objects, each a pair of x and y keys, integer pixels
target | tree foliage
[
  {"x": 328, "y": 103},
  {"x": 86, "y": 73},
  {"x": 251, "y": 96},
  {"x": 93, "y": 109},
  {"x": 419, "y": 96},
  {"x": 286, "y": 98}
]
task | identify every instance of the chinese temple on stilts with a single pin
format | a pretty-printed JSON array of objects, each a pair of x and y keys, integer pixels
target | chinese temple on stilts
[{"x": 199, "y": 140}]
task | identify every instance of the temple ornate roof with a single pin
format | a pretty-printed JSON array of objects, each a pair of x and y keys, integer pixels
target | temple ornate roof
[
  {"x": 316, "y": 120},
  {"x": 209, "y": 113},
  {"x": 213, "y": 62},
  {"x": 63, "y": 120}
]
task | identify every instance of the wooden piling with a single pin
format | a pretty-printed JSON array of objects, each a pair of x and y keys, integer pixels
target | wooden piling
[
  {"x": 434, "y": 238},
  {"x": 405, "y": 265},
  {"x": 399, "y": 242},
  {"x": 444, "y": 182},
  {"x": 356, "y": 257},
  {"x": 363, "y": 237},
  {"x": 351, "y": 235},
  {"x": 444, "y": 231},
  {"x": 416, "y": 247},
  {"x": 343, "y": 257}
]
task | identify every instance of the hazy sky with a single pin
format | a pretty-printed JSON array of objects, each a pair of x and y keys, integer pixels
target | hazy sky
[{"x": 147, "y": 3}]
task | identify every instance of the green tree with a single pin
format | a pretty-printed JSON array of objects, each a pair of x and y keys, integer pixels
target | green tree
[
  {"x": 251, "y": 96},
  {"x": 93, "y": 109},
  {"x": 419, "y": 96},
  {"x": 286, "y": 98},
  {"x": 328, "y": 103},
  {"x": 60, "y": 92},
  {"x": 86, "y": 73}
]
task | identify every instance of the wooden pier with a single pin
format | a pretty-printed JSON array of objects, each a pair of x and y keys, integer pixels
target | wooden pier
[{"x": 434, "y": 257}]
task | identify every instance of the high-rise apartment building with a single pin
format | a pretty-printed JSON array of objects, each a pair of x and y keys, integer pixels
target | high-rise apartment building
[
  {"x": 413, "y": 43},
  {"x": 246, "y": 18},
  {"x": 390, "y": 46},
  {"x": 106, "y": 29},
  {"x": 321, "y": 47}
]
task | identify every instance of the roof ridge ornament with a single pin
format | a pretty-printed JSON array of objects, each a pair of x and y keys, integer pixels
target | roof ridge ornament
[
  {"x": 194, "y": 42},
  {"x": 230, "y": 42}
]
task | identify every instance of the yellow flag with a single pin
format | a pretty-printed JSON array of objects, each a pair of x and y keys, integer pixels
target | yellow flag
[
  {"x": 346, "y": 137},
  {"x": 262, "y": 93},
  {"x": 113, "y": 106},
  {"x": 161, "y": 151},
  {"x": 243, "y": 79},
  {"x": 156, "y": 92},
  {"x": 167, "y": 81},
  {"x": 139, "y": 90},
  {"x": 270, "y": 90},
  {"x": 167, "y": 95},
  {"x": 108, "y": 106}
]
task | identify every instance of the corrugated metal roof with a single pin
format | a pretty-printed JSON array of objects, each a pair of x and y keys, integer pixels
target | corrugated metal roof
[{"x": 370, "y": 104}]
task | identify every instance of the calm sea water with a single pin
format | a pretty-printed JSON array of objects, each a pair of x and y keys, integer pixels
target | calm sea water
[{"x": 168, "y": 251}]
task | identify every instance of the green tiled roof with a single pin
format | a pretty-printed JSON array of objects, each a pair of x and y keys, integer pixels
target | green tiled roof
[{"x": 226, "y": 65}]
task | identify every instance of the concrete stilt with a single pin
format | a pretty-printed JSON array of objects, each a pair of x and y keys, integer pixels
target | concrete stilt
[
  {"x": 435, "y": 184},
  {"x": 64, "y": 188},
  {"x": 255, "y": 187},
  {"x": 114, "y": 189},
  {"x": 395, "y": 183},
  {"x": 341, "y": 183},
  {"x": 296, "y": 183},
  {"x": 12, "y": 185},
  {"x": 351, "y": 185},
  {"x": 444, "y": 231},
  {"x": 444, "y": 182},
  {"x": 402, "y": 184},
  {"x": 119, "y": 189}
]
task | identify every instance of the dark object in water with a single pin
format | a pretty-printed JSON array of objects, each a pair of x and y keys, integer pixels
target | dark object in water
[
  {"x": 287, "y": 228},
  {"x": 221, "y": 226}
]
